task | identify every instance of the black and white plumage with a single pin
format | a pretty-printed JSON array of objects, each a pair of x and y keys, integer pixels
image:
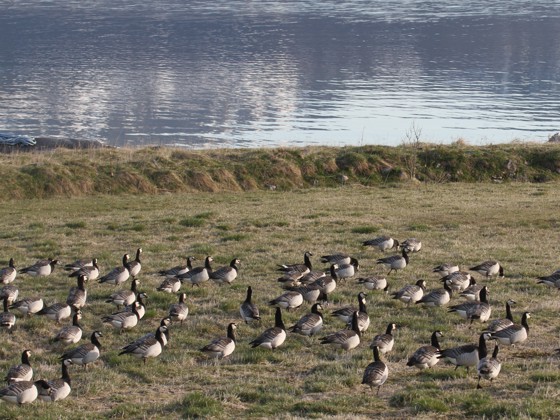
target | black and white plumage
[
  {"x": 457, "y": 281},
  {"x": 288, "y": 300},
  {"x": 472, "y": 292},
  {"x": 446, "y": 269},
  {"x": 426, "y": 356},
  {"x": 77, "y": 296},
  {"x": 7, "y": 319},
  {"x": 123, "y": 320},
  {"x": 248, "y": 310},
  {"x": 499, "y": 324},
  {"x": 117, "y": 275},
  {"x": 309, "y": 324},
  {"x": 80, "y": 263},
  {"x": 173, "y": 272},
  {"x": 71, "y": 334},
  {"x": 170, "y": 285},
  {"x": 135, "y": 265},
  {"x": 345, "y": 313},
  {"x": 346, "y": 271},
  {"x": 179, "y": 311},
  {"x": 139, "y": 304},
  {"x": 28, "y": 306},
  {"x": 489, "y": 269},
  {"x": 40, "y": 268},
  {"x": 310, "y": 293},
  {"x": 411, "y": 245},
  {"x": 124, "y": 297},
  {"x": 488, "y": 367},
  {"x": 376, "y": 373},
  {"x": 165, "y": 322},
  {"x": 9, "y": 291},
  {"x": 86, "y": 353},
  {"x": 222, "y": 346},
  {"x": 384, "y": 342},
  {"x": 395, "y": 262},
  {"x": 437, "y": 297},
  {"x": 198, "y": 275},
  {"x": 465, "y": 355},
  {"x": 345, "y": 339},
  {"x": 227, "y": 274},
  {"x": 336, "y": 258},
  {"x": 23, "y": 392},
  {"x": 383, "y": 243},
  {"x": 90, "y": 271},
  {"x": 58, "y": 388},
  {"x": 9, "y": 273},
  {"x": 272, "y": 337},
  {"x": 411, "y": 293},
  {"x": 479, "y": 311},
  {"x": 514, "y": 334},
  {"x": 145, "y": 348},
  {"x": 21, "y": 372},
  {"x": 552, "y": 280},
  {"x": 374, "y": 283},
  {"x": 299, "y": 269},
  {"x": 327, "y": 283}
]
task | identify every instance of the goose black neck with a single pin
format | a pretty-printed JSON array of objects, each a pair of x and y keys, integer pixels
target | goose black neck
[
  {"x": 5, "y": 303},
  {"x": 189, "y": 263},
  {"x": 484, "y": 295},
  {"x": 231, "y": 332},
  {"x": 75, "y": 320},
  {"x": 435, "y": 342},
  {"x": 482, "y": 350},
  {"x": 278, "y": 319},
  {"x": 333, "y": 271},
  {"x": 11, "y": 263},
  {"x": 160, "y": 333},
  {"x": 307, "y": 261},
  {"x": 389, "y": 329},
  {"x": 524, "y": 321},
  {"x": 138, "y": 252},
  {"x": 376, "y": 354},
  {"x": 355, "y": 325},
  {"x": 134, "y": 286},
  {"x": 207, "y": 264},
  {"x": 95, "y": 341},
  {"x": 25, "y": 358},
  {"x": 249, "y": 294},
  {"x": 65, "y": 374},
  {"x": 495, "y": 352},
  {"x": 362, "y": 305},
  {"x": 508, "y": 312}
]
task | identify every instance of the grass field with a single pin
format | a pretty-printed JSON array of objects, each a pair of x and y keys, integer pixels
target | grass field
[{"x": 515, "y": 223}]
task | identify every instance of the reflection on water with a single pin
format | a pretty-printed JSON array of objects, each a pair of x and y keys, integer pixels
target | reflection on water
[{"x": 268, "y": 73}]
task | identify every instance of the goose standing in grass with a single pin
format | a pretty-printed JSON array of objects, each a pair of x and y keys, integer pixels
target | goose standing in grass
[
  {"x": 346, "y": 271},
  {"x": 336, "y": 258},
  {"x": 383, "y": 243},
  {"x": 222, "y": 346},
  {"x": 165, "y": 322},
  {"x": 446, "y": 269},
  {"x": 21, "y": 372},
  {"x": 40, "y": 268},
  {"x": 71, "y": 334},
  {"x": 465, "y": 355},
  {"x": 426, "y": 356},
  {"x": 176, "y": 271},
  {"x": 86, "y": 353},
  {"x": 395, "y": 262},
  {"x": 28, "y": 306},
  {"x": 77, "y": 296},
  {"x": 11, "y": 292},
  {"x": 139, "y": 304},
  {"x": 56, "y": 312},
  {"x": 58, "y": 388},
  {"x": 471, "y": 311},
  {"x": 23, "y": 392},
  {"x": 411, "y": 245},
  {"x": 345, "y": 313},
  {"x": 472, "y": 293},
  {"x": 227, "y": 274},
  {"x": 457, "y": 281},
  {"x": 345, "y": 339},
  {"x": 117, "y": 275},
  {"x": 145, "y": 348},
  {"x": 90, "y": 271},
  {"x": 309, "y": 278},
  {"x": 124, "y": 297},
  {"x": 288, "y": 300},
  {"x": 437, "y": 297},
  {"x": 309, "y": 324},
  {"x": 198, "y": 275},
  {"x": 298, "y": 269},
  {"x": 179, "y": 311},
  {"x": 135, "y": 265},
  {"x": 9, "y": 273},
  {"x": 514, "y": 334},
  {"x": 170, "y": 285},
  {"x": 248, "y": 310},
  {"x": 78, "y": 264},
  {"x": 384, "y": 342},
  {"x": 376, "y": 373},
  {"x": 499, "y": 324},
  {"x": 310, "y": 293},
  {"x": 411, "y": 293},
  {"x": 489, "y": 269},
  {"x": 272, "y": 337},
  {"x": 374, "y": 283},
  {"x": 7, "y": 319},
  {"x": 488, "y": 367},
  {"x": 123, "y": 320},
  {"x": 327, "y": 284}
]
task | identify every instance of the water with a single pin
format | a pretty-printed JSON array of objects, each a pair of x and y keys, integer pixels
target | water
[{"x": 280, "y": 73}]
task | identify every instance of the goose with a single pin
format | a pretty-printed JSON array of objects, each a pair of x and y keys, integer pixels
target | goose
[
  {"x": 480, "y": 311},
  {"x": 345, "y": 339},
  {"x": 227, "y": 274},
  {"x": 40, "y": 268},
  {"x": 395, "y": 262},
  {"x": 90, "y": 271},
  {"x": 437, "y": 297},
  {"x": 345, "y": 313},
  {"x": 384, "y": 342},
  {"x": 445, "y": 269},
  {"x": 135, "y": 265},
  {"x": 309, "y": 324},
  {"x": 170, "y": 285},
  {"x": 552, "y": 280},
  {"x": 76, "y": 265},
  {"x": 56, "y": 312},
  {"x": 499, "y": 324},
  {"x": 489, "y": 269},
  {"x": 28, "y": 306},
  {"x": 86, "y": 353},
  {"x": 123, "y": 320},
  {"x": 124, "y": 297},
  {"x": 23, "y": 392},
  {"x": 457, "y": 281},
  {"x": 300, "y": 269},
  {"x": 363, "y": 317},
  {"x": 472, "y": 293},
  {"x": 309, "y": 293},
  {"x": 165, "y": 322},
  {"x": 383, "y": 243},
  {"x": 179, "y": 311},
  {"x": 345, "y": 271},
  {"x": 376, "y": 373},
  {"x": 117, "y": 275},
  {"x": 288, "y": 300},
  {"x": 336, "y": 258},
  {"x": 514, "y": 334},
  {"x": 222, "y": 346},
  {"x": 77, "y": 296},
  {"x": 58, "y": 388},
  {"x": 21, "y": 372},
  {"x": 272, "y": 337},
  {"x": 310, "y": 277},
  {"x": 11, "y": 292},
  {"x": 426, "y": 356},
  {"x": 198, "y": 274},
  {"x": 7, "y": 319},
  {"x": 140, "y": 308},
  {"x": 145, "y": 348},
  {"x": 465, "y": 355},
  {"x": 248, "y": 310},
  {"x": 177, "y": 270},
  {"x": 488, "y": 367},
  {"x": 327, "y": 284},
  {"x": 8, "y": 274},
  {"x": 411, "y": 293},
  {"x": 374, "y": 283},
  {"x": 71, "y": 334},
  {"x": 411, "y": 245}
]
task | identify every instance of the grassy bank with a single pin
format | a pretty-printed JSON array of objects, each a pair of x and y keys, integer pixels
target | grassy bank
[
  {"x": 463, "y": 223},
  {"x": 63, "y": 172}
]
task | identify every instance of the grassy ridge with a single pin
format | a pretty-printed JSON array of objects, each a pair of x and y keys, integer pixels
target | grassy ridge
[{"x": 62, "y": 172}]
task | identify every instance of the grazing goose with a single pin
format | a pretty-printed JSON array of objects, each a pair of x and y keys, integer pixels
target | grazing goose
[
  {"x": 165, "y": 322},
  {"x": 58, "y": 388},
  {"x": 446, "y": 269},
  {"x": 170, "y": 285},
  {"x": 198, "y": 274},
  {"x": 437, "y": 297},
  {"x": 76, "y": 265},
  {"x": 514, "y": 334},
  {"x": 123, "y": 320},
  {"x": 71, "y": 334},
  {"x": 272, "y": 337},
  {"x": 489, "y": 269},
  {"x": 310, "y": 277},
  {"x": 363, "y": 317},
  {"x": 480, "y": 311},
  {"x": 345, "y": 271},
  {"x": 23, "y": 392},
  {"x": 227, "y": 274},
  {"x": 345, "y": 339},
  {"x": 553, "y": 280},
  {"x": 310, "y": 323},
  {"x": 411, "y": 245},
  {"x": 327, "y": 284},
  {"x": 426, "y": 356},
  {"x": 124, "y": 297},
  {"x": 40, "y": 268},
  {"x": 177, "y": 270},
  {"x": 56, "y": 312},
  {"x": 77, "y": 296},
  {"x": 337, "y": 258},
  {"x": 383, "y": 243},
  {"x": 21, "y": 372},
  {"x": 298, "y": 269},
  {"x": 499, "y": 324},
  {"x": 117, "y": 275},
  {"x": 248, "y": 310},
  {"x": 222, "y": 346},
  {"x": 472, "y": 293},
  {"x": 8, "y": 274},
  {"x": 86, "y": 353},
  {"x": 135, "y": 265},
  {"x": 457, "y": 281},
  {"x": 384, "y": 342},
  {"x": 309, "y": 293},
  {"x": 90, "y": 271},
  {"x": 140, "y": 308},
  {"x": 288, "y": 300},
  {"x": 179, "y": 311},
  {"x": 28, "y": 306},
  {"x": 465, "y": 355},
  {"x": 376, "y": 373},
  {"x": 11, "y": 292},
  {"x": 411, "y": 293},
  {"x": 488, "y": 367},
  {"x": 7, "y": 319},
  {"x": 374, "y": 283},
  {"x": 345, "y": 313},
  {"x": 395, "y": 262},
  {"x": 146, "y": 347}
]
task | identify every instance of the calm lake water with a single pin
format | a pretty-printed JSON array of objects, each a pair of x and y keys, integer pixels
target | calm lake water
[{"x": 275, "y": 73}]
